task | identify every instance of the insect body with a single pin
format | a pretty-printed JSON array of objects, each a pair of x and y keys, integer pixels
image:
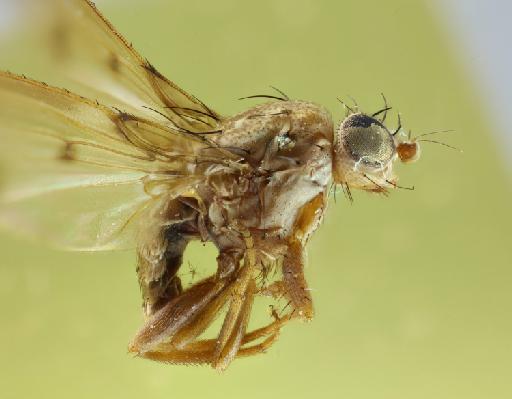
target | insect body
[
  {"x": 259, "y": 216},
  {"x": 144, "y": 164}
]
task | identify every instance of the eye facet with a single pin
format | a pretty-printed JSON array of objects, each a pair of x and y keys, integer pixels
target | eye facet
[{"x": 367, "y": 140}]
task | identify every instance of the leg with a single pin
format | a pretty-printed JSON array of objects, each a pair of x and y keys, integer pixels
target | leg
[
  {"x": 259, "y": 348},
  {"x": 183, "y": 319},
  {"x": 170, "y": 334},
  {"x": 294, "y": 282},
  {"x": 233, "y": 336},
  {"x": 186, "y": 316},
  {"x": 203, "y": 351},
  {"x": 234, "y": 327}
]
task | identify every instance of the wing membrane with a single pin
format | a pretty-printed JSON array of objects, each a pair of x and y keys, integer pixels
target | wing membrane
[
  {"x": 82, "y": 175},
  {"x": 93, "y": 54}
]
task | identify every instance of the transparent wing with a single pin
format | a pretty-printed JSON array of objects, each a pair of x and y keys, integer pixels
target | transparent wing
[
  {"x": 82, "y": 175},
  {"x": 99, "y": 63}
]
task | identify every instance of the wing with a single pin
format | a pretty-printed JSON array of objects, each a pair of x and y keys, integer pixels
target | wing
[
  {"x": 100, "y": 64},
  {"x": 82, "y": 175}
]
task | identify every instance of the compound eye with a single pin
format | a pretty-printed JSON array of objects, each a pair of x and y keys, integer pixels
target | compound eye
[{"x": 367, "y": 140}]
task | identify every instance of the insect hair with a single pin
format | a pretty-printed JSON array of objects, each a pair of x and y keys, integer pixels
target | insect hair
[
  {"x": 283, "y": 97},
  {"x": 399, "y": 125},
  {"x": 382, "y": 190},
  {"x": 383, "y": 110},
  {"x": 346, "y": 191},
  {"x": 181, "y": 128},
  {"x": 397, "y": 186}
]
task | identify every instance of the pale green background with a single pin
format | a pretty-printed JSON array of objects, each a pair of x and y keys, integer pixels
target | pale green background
[{"x": 412, "y": 292}]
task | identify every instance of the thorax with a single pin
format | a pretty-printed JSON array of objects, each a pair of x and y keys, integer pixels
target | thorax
[{"x": 289, "y": 148}]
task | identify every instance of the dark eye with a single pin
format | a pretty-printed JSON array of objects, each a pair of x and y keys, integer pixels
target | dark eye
[{"x": 367, "y": 140}]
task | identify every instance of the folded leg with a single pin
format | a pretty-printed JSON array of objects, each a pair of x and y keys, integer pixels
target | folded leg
[
  {"x": 170, "y": 334},
  {"x": 205, "y": 351},
  {"x": 183, "y": 318}
]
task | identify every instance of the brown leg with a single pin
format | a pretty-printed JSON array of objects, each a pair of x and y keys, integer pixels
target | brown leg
[
  {"x": 198, "y": 325},
  {"x": 203, "y": 352},
  {"x": 170, "y": 334},
  {"x": 172, "y": 355},
  {"x": 259, "y": 348},
  {"x": 182, "y": 314},
  {"x": 185, "y": 317},
  {"x": 234, "y": 327},
  {"x": 237, "y": 318},
  {"x": 228, "y": 263},
  {"x": 295, "y": 285}
]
